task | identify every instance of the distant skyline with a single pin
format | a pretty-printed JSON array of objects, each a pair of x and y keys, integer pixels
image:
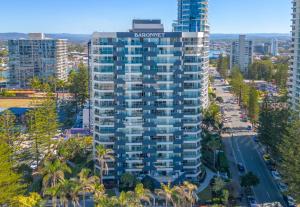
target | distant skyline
[{"x": 85, "y": 17}]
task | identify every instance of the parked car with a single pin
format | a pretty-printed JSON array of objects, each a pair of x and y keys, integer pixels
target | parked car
[
  {"x": 282, "y": 187},
  {"x": 289, "y": 201},
  {"x": 241, "y": 167},
  {"x": 276, "y": 175},
  {"x": 249, "y": 127}
]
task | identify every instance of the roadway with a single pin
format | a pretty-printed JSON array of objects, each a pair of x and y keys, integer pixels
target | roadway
[{"x": 240, "y": 147}]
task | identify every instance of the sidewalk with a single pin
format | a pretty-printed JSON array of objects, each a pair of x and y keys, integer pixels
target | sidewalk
[{"x": 209, "y": 175}]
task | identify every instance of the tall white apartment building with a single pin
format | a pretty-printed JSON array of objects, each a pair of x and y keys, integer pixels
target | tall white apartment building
[
  {"x": 38, "y": 57},
  {"x": 274, "y": 47},
  {"x": 294, "y": 73},
  {"x": 241, "y": 54}
]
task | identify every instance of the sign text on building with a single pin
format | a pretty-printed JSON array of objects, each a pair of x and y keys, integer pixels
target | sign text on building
[{"x": 149, "y": 35}]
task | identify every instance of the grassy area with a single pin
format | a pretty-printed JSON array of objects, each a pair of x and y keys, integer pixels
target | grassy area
[{"x": 11, "y": 102}]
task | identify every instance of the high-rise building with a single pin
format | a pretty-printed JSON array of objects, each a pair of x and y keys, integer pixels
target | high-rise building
[
  {"x": 274, "y": 47},
  {"x": 192, "y": 16},
  {"x": 241, "y": 54},
  {"x": 148, "y": 90},
  {"x": 294, "y": 73},
  {"x": 38, "y": 57}
]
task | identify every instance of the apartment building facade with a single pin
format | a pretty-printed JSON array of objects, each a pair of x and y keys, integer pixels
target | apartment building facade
[
  {"x": 148, "y": 90},
  {"x": 241, "y": 54},
  {"x": 294, "y": 72},
  {"x": 38, "y": 57},
  {"x": 192, "y": 16}
]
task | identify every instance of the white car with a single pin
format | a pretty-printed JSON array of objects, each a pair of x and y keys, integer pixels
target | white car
[{"x": 276, "y": 175}]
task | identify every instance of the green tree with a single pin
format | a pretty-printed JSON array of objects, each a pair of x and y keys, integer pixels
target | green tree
[
  {"x": 253, "y": 105},
  {"x": 281, "y": 75},
  {"x": 75, "y": 188},
  {"x": 272, "y": 126},
  {"x": 53, "y": 173},
  {"x": 218, "y": 186},
  {"x": 102, "y": 155},
  {"x": 4, "y": 53},
  {"x": 261, "y": 70},
  {"x": 142, "y": 194},
  {"x": 32, "y": 200},
  {"x": 290, "y": 153},
  {"x": 189, "y": 192},
  {"x": 8, "y": 131},
  {"x": 249, "y": 180},
  {"x": 239, "y": 88},
  {"x": 225, "y": 196},
  {"x": 36, "y": 83},
  {"x": 212, "y": 116},
  {"x": 170, "y": 194},
  {"x": 87, "y": 182},
  {"x": 10, "y": 182},
  {"x": 222, "y": 66},
  {"x": 53, "y": 193},
  {"x": 127, "y": 182},
  {"x": 79, "y": 84},
  {"x": 127, "y": 199},
  {"x": 63, "y": 193},
  {"x": 42, "y": 126}
]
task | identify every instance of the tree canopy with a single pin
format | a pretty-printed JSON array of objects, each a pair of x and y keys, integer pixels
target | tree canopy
[{"x": 289, "y": 149}]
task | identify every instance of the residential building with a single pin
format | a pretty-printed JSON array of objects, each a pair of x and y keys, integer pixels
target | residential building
[
  {"x": 294, "y": 73},
  {"x": 38, "y": 57},
  {"x": 192, "y": 16},
  {"x": 148, "y": 90},
  {"x": 274, "y": 47},
  {"x": 241, "y": 54}
]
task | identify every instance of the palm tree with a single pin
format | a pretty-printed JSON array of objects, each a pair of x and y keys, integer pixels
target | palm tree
[
  {"x": 53, "y": 173},
  {"x": 102, "y": 154},
  {"x": 189, "y": 192},
  {"x": 128, "y": 199},
  {"x": 99, "y": 190},
  {"x": 122, "y": 199},
  {"x": 75, "y": 188},
  {"x": 212, "y": 116},
  {"x": 87, "y": 183},
  {"x": 142, "y": 194},
  {"x": 63, "y": 192},
  {"x": 53, "y": 193},
  {"x": 168, "y": 193},
  {"x": 101, "y": 199}
]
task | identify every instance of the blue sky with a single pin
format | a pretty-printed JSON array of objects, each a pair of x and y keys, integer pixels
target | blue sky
[{"x": 87, "y": 16}]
